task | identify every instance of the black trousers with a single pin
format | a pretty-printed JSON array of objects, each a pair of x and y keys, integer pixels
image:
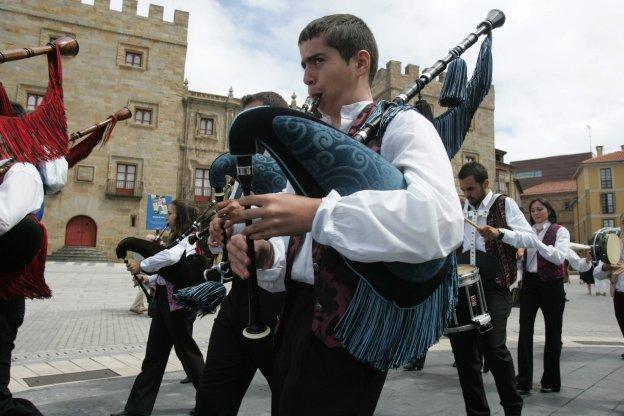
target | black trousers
[
  {"x": 11, "y": 318},
  {"x": 468, "y": 347},
  {"x": 168, "y": 329},
  {"x": 232, "y": 359},
  {"x": 312, "y": 379},
  {"x": 550, "y": 298},
  {"x": 618, "y": 307}
]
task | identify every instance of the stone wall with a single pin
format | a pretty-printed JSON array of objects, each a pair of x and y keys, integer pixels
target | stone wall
[
  {"x": 96, "y": 83},
  {"x": 390, "y": 81}
]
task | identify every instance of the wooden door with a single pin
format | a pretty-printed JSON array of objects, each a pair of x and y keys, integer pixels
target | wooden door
[{"x": 81, "y": 231}]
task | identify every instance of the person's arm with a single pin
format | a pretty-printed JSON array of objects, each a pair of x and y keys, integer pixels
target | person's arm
[
  {"x": 599, "y": 271},
  {"x": 54, "y": 173},
  {"x": 21, "y": 192},
  {"x": 164, "y": 258},
  {"x": 519, "y": 233},
  {"x": 413, "y": 225},
  {"x": 578, "y": 263}
]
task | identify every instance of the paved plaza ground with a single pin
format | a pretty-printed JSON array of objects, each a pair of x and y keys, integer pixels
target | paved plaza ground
[{"x": 86, "y": 331}]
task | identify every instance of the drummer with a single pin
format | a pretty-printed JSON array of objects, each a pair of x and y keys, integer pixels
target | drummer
[
  {"x": 492, "y": 247},
  {"x": 615, "y": 272}
]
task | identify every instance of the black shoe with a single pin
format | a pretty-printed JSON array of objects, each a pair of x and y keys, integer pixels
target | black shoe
[
  {"x": 125, "y": 413},
  {"x": 185, "y": 380},
  {"x": 523, "y": 392},
  {"x": 193, "y": 412},
  {"x": 622, "y": 356},
  {"x": 413, "y": 366},
  {"x": 549, "y": 390}
]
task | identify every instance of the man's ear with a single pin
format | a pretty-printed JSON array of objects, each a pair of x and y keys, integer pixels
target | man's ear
[
  {"x": 486, "y": 184},
  {"x": 362, "y": 62}
]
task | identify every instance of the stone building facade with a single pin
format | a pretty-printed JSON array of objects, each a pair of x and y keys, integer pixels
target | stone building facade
[
  {"x": 124, "y": 60},
  {"x": 479, "y": 143},
  {"x": 174, "y": 134}
]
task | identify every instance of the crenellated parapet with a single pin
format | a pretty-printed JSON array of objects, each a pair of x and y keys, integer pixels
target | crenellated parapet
[{"x": 101, "y": 16}]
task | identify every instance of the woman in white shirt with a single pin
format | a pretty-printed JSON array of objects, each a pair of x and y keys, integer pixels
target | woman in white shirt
[
  {"x": 172, "y": 325},
  {"x": 542, "y": 288}
]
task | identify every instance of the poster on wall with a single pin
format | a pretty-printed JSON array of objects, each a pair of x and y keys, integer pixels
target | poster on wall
[{"x": 156, "y": 218}]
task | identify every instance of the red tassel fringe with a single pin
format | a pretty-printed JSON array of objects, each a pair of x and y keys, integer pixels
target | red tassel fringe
[
  {"x": 84, "y": 148},
  {"x": 42, "y": 134},
  {"x": 29, "y": 282}
]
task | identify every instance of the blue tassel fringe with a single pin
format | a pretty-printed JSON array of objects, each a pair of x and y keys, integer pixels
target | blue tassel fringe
[
  {"x": 378, "y": 332},
  {"x": 203, "y": 298},
  {"x": 454, "y": 88}
]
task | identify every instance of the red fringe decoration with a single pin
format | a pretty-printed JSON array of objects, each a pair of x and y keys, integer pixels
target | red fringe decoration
[
  {"x": 5, "y": 105},
  {"x": 30, "y": 281},
  {"x": 84, "y": 148},
  {"x": 42, "y": 134}
]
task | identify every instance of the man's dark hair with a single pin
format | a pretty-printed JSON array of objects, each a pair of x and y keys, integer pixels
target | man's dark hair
[
  {"x": 347, "y": 34},
  {"x": 475, "y": 169},
  {"x": 18, "y": 110},
  {"x": 552, "y": 215},
  {"x": 265, "y": 97}
]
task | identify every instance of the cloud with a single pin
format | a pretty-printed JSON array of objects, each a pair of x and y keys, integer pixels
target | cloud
[{"x": 557, "y": 65}]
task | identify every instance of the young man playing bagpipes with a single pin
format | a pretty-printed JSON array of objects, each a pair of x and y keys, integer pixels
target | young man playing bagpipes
[{"x": 316, "y": 373}]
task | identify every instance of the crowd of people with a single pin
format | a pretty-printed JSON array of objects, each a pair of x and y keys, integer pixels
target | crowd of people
[{"x": 305, "y": 250}]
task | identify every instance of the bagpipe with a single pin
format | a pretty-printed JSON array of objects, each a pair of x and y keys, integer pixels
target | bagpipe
[
  {"x": 189, "y": 271},
  {"x": 37, "y": 137},
  {"x": 267, "y": 178},
  {"x": 398, "y": 310}
]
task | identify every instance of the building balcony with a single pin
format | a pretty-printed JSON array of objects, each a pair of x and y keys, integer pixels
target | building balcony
[{"x": 120, "y": 189}]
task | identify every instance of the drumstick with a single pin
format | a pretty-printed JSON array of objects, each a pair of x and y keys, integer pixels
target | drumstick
[{"x": 470, "y": 222}]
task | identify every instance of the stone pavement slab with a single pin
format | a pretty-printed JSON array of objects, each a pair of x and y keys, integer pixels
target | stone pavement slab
[{"x": 86, "y": 325}]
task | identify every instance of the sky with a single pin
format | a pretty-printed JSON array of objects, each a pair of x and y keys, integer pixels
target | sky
[{"x": 557, "y": 64}]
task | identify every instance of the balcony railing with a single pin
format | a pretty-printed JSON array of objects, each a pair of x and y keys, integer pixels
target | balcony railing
[{"x": 122, "y": 189}]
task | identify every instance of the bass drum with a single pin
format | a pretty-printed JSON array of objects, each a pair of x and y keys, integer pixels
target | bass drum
[{"x": 605, "y": 245}]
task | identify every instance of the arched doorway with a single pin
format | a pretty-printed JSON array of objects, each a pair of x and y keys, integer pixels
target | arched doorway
[{"x": 81, "y": 231}]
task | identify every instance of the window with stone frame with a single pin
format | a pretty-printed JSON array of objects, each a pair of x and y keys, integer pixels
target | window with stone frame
[
  {"x": 125, "y": 178},
  {"x": 202, "y": 185},
  {"x": 470, "y": 157},
  {"x": 143, "y": 116},
  {"x": 608, "y": 222},
  {"x": 206, "y": 126},
  {"x": 33, "y": 100},
  {"x": 134, "y": 58}
]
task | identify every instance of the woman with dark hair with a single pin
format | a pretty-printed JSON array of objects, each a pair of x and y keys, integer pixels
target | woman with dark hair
[
  {"x": 172, "y": 325},
  {"x": 542, "y": 288}
]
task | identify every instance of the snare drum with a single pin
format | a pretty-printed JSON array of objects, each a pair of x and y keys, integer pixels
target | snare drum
[
  {"x": 471, "y": 309},
  {"x": 606, "y": 245}
]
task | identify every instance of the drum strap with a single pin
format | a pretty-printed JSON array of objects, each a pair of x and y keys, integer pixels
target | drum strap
[{"x": 473, "y": 215}]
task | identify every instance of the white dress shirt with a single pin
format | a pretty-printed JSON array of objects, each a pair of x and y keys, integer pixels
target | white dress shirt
[
  {"x": 519, "y": 234},
  {"x": 555, "y": 254},
  {"x": 413, "y": 225},
  {"x": 21, "y": 193},
  {"x": 165, "y": 258},
  {"x": 54, "y": 175}
]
